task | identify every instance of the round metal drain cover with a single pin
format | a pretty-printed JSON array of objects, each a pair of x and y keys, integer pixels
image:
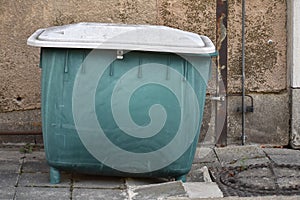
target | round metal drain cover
[{"x": 263, "y": 179}]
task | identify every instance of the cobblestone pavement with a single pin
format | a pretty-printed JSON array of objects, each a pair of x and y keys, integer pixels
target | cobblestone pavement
[{"x": 26, "y": 176}]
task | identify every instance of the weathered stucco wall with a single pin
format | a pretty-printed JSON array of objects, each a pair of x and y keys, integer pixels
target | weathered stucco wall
[
  {"x": 265, "y": 70},
  {"x": 19, "y": 74},
  {"x": 189, "y": 15},
  {"x": 265, "y": 62}
]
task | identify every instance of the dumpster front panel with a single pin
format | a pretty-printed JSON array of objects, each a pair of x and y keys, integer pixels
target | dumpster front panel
[{"x": 134, "y": 116}]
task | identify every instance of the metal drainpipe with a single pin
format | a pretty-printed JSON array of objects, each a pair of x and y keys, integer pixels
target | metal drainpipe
[{"x": 243, "y": 72}]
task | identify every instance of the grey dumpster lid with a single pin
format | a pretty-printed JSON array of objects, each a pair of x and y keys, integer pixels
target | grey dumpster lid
[{"x": 122, "y": 37}]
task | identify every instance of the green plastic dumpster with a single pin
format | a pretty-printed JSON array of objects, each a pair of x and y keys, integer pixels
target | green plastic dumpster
[{"x": 122, "y": 100}]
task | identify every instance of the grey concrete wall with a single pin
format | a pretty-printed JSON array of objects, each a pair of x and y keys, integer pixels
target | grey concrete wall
[
  {"x": 295, "y": 119},
  {"x": 268, "y": 124},
  {"x": 266, "y": 68}
]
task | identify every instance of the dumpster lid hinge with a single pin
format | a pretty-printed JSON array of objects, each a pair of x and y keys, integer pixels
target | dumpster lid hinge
[{"x": 120, "y": 54}]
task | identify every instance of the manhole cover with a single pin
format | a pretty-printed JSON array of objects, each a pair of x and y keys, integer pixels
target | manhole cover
[{"x": 258, "y": 180}]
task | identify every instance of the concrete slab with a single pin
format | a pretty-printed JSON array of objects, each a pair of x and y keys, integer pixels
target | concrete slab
[
  {"x": 9, "y": 167},
  {"x": 199, "y": 173},
  {"x": 240, "y": 198},
  {"x": 8, "y": 180},
  {"x": 261, "y": 177},
  {"x": 196, "y": 176},
  {"x": 11, "y": 155},
  {"x": 202, "y": 190},
  {"x": 204, "y": 155},
  {"x": 91, "y": 181},
  {"x": 268, "y": 124},
  {"x": 231, "y": 154},
  {"x": 295, "y": 119},
  {"x": 35, "y": 162},
  {"x": 131, "y": 182},
  {"x": 157, "y": 191},
  {"x": 38, "y": 193},
  {"x": 35, "y": 166},
  {"x": 7, "y": 192},
  {"x": 279, "y": 151},
  {"x": 42, "y": 180},
  {"x": 255, "y": 172},
  {"x": 286, "y": 159},
  {"x": 287, "y": 172},
  {"x": 99, "y": 194},
  {"x": 288, "y": 181},
  {"x": 246, "y": 162},
  {"x": 283, "y": 156},
  {"x": 35, "y": 156}
]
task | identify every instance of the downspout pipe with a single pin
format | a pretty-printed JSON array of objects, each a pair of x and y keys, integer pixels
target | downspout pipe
[{"x": 243, "y": 72}]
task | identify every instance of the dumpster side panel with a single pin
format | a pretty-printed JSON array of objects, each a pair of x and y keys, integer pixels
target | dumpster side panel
[{"x": 63, "y": 146}]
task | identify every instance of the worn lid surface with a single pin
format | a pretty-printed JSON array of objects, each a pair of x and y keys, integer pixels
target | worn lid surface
[{"x": 122, "y": 37}]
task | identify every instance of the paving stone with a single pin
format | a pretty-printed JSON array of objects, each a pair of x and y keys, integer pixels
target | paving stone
[
  {"x": 42, "y": 180},
  {"x": 258, "y": 182},
  {"x": 288, "y": 172},
  {"x": 144, "y": 181},
  {"x": 279, "y": 151},
  {"x": 9, "y": 166},
  {"x": 8, "y": 180},
  {"x": 255, "y": 172},
  {"x": 158, "y": 191},
  {"x": 286, "y": 159},
  {"x": 231, "y": 154},
  {"x": 288, "y": 182},
  {"x": 241, "y": 198},
  {"x": 202, "y": 190},
  {"x": 97, "y": 187},
  {"x": 194, "y": 175},
  {"x": 7, "y": 193},
  {"x": 246, "y": 162},
  {"x": 91, "y": 181},
  {"x": 198, "y": 174},
  {"x": 204, "y": 155},
  {"x": 35, "y": 155},
  {"x": 35, "y": 166},
  {"x": 38, "y": 193},
  {"x": 98, "y": 194},
  {"x": 11, "y": 155}
]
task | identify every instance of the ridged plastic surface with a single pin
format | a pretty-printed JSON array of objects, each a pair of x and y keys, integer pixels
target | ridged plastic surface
[
  {"x": 74, "y": 141},
  {"x": 122, "y": 37}
]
